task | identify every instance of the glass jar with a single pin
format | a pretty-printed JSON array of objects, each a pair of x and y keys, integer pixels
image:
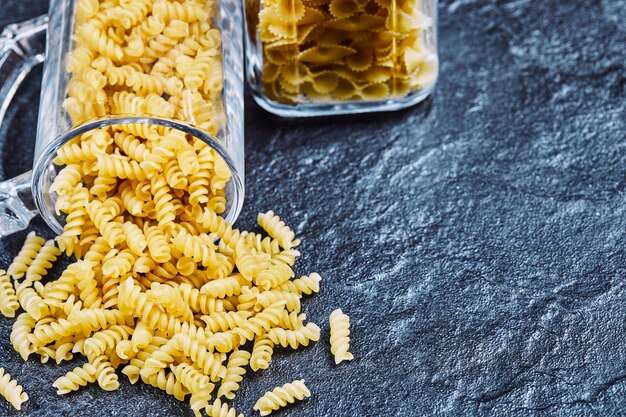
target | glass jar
[
  {"x": 325, "y": 57},
  {"x": 129, "y": 72}
]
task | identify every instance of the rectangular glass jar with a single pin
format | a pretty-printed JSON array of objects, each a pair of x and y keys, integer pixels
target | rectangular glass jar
[{"x": 324, "y": 57}]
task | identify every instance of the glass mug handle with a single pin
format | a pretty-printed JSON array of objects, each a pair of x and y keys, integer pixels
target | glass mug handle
[{"x": 22, "y": 47}]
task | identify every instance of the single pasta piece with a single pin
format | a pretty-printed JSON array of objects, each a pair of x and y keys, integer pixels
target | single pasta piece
[
  {"x": 73, "y": 380},
  {"x": 281, "y": 396},
  {"x": 277, "y": 229},
  {"x": 340, "y": 336},
  {"x": 235, "y": 369},
  {"x": 8, "y": 299},
  {"x": 30, "y": 249},
  {"x": 220, "y": 409},
  {"x": 11, "y": 391}
]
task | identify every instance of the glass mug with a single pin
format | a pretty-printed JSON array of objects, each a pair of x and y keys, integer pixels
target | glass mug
[
  {"x": 22, "y": 48},
  {"x": 325, "y": 57}
]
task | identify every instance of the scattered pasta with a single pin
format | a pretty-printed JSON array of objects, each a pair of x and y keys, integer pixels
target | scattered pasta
[
  {"x": 181, "y": 333},
  {"x": 342, "y": 50},
  {"x": 340, "y": 336},
  {"x": 162, "y": 288}
]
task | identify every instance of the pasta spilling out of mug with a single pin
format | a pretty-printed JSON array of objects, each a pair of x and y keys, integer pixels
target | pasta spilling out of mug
[{"x": 163, "y": 289}]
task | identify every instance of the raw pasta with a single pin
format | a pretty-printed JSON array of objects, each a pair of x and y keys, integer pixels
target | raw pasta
[
  {"x": 11, "y": 391},
  {"x": 281, "y": 396},
  {"x": 163, "y": 289},
  {"x": 8, "y": 299},
  {"x": 340, "y": 336},
  {"x": 182, "y": 334},
  {"x": 338, "y": 50},
  {"x": 22, "y": 261}
]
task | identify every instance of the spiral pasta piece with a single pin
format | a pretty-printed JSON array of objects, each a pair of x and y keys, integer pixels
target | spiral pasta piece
[
  {"x": 157, "y": 245},
  {"x": 272, "y": 277},
  {"x": 87, "y": 286},
  {"x": 161, "y": 358},
  {"x": 102, "y": 218},
  {"x": 225, "y": 320},
  {"x": 187, "y": 11},
  {"x": 224, "y": 341},
  {"x": 195, "y": 381},
  {"x": 340, "y": 336},
  {"x": 100, "y": 42},
  {"x": 132, "y": 301},
  {"x": 91, "y": 319},
  {"x": 251, "y": 264},
  {"x": 171, "y": 300},
  {"x": 198, "y": 302},
  {"x": 30, "y": 301},
  {"x": 11, "y": 390},
  {"x": 73, "y": 380},
  {"x": 261, "y": 322},
  {"x": 106, "y": 340},
  {"x": 167, "y": 383},
  {"x": 118, "y": 263},
  {"x": 32, "y": 246},
  {"x": 67, "y": 179},
  {"x": 74, "y": 224},
  {"x": 8, "y": 298},
  {"x": 267, "y": 298},
  {"x": 220, "y": 409},
  {"x": 163, "y": 201},
  {"x": 281, "y": 396},
  {"x": 277, "y": 229},
  {"x": 209, "y": 363},
  {"x": 304, "y": 285},
  {"x": 42, "y": 262},
  {"x": 121, "y": 167},
  {"x": 295, "y": 338},
  {"x": 105, "y": 373},
  {"x": 19, "y": 338},
  {"x": 224, "y": 287},
  {"x": 199, "y": 401},
  {"x": 235, "y": 369},
  {"x": 135, "y": 239}
]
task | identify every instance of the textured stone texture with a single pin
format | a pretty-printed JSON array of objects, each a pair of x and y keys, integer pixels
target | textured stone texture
[{"x": 476, "y": 240}]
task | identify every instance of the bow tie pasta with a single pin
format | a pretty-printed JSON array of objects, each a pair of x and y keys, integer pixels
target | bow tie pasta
[{"x": 343, "y": 50}]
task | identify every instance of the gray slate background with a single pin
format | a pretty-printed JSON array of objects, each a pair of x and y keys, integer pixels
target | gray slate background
[{"x": 476, "y": 240}]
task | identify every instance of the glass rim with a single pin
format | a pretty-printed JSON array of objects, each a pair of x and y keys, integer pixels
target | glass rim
[{"x": 44, "y": 161}]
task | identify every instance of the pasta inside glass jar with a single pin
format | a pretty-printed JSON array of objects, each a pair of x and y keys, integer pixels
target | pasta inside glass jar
[
  {"x": 141, "y": 109},
  {"x": 320, "y": 57}
]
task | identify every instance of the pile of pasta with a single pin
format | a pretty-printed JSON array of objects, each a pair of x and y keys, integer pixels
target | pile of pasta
[
  {"x": 163, "y": 289},
  {"x": 181, "y": 329},
  {"x": 337, "y": 50}
]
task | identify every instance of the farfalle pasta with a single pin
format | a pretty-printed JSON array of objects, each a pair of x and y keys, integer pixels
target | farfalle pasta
[{"x": 327, "y": 51}]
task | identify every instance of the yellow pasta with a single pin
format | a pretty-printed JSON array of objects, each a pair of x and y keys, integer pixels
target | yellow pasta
[
  {"x": 220, "y": 409},
  {"x": 11, "y": 391},
  {"x": 73, "y": 380},
  {"x": 8, "y": 299},
  {"x": 281, "y": 396},
  {"x": 306, "y": 45},
  {"x": 235, "y": 369},
  {"x": 340, "y": 336},
  {"x": 27, "y": 254},
  {"x": 162, "y": 287}
]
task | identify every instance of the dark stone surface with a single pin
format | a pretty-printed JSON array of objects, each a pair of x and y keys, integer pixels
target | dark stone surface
[{"x": 476, "y": 240}]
